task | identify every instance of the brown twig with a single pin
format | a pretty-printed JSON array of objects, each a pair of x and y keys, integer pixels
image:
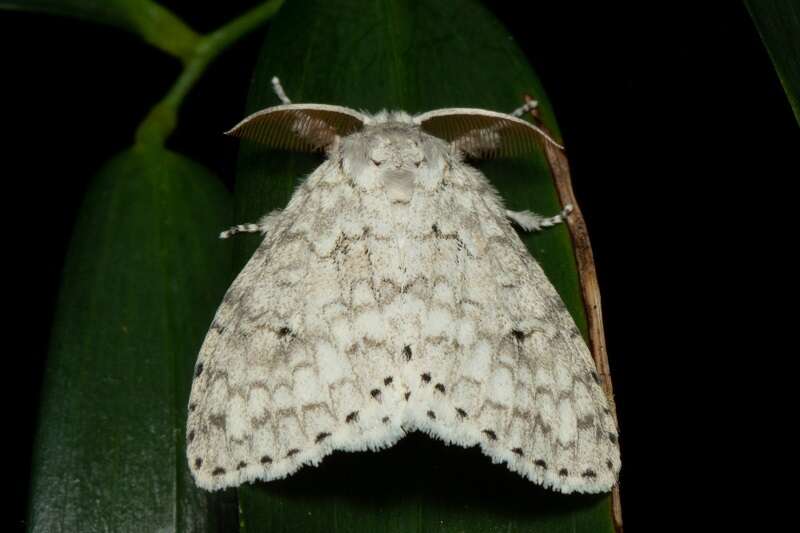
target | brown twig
[{"x": 559, "y": 168}]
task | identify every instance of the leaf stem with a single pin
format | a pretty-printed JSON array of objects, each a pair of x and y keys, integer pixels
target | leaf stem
[
  {"x": 161, "y": 28},
  {"x": 162, "y": 118}
]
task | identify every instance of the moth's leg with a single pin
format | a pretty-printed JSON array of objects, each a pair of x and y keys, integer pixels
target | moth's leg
[
  {"x": 533, "y": 107},
  {"x": 313, "y": 130},
  {"x": 263, "y": 226},
  {"x": 530, "y": 105},
  {"x": 241, "y": 228},
  {"x": 278, "y": 88},
  {"x": 486, "y": 140},
  {"x": 477, "y": 142},
  {"x": 533, "y": 222}
]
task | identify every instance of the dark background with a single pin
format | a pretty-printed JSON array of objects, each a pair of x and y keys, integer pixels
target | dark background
[{"x": 677, "y": 130}]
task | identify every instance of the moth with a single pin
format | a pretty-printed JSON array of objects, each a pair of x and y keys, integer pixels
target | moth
[{"x": 393, "y": 294}]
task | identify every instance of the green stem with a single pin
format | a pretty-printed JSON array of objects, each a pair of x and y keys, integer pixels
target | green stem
[
  {"x": 161, "y": 28},
  {"x": 162, "y": 118}
]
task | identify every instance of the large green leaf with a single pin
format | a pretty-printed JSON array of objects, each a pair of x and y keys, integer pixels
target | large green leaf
[
  {"x": 145, "y": 18},
  {"x": 414, "y": 55},
  {"x": 778, "y": 22},
  {"x": 143, "y": 276}
]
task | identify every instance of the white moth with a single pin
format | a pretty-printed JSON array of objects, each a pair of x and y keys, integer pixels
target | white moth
[{"x": 393, "y": 294}]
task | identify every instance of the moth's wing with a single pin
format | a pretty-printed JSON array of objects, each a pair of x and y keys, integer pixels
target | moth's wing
[
  {"x": 282, "y": 378},
  {"x": 500, "y": 362}
]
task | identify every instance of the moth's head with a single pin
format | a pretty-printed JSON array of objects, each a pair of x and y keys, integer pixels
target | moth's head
[{"x": 393, "y": 155}]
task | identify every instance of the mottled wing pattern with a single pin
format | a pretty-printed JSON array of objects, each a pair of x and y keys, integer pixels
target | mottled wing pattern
[
  {"x": 294, "y": 365},
  {"x": 365, "y": 314},
  {"x": 499, "y": 361}
]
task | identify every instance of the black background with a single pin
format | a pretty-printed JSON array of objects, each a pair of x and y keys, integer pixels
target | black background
[{"x": 677, "y": 130}]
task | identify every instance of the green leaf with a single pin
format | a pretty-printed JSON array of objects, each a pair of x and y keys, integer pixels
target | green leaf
[
  {"x": 152, "y": 22},
  {"x": 411, "y": 55},
  {"x": 778, "y": 22},
  {"x": 143, "y": 276}
]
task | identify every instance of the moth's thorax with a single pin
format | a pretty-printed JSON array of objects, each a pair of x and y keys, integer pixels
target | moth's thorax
[{"x": 395, "y": 156}]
